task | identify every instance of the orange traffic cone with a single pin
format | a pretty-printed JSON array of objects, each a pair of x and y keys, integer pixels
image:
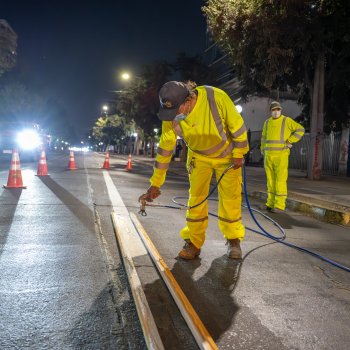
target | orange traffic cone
[
  {"x": 106, "y": 162},
  {"x": 42, "y": 165},
  {"x": 15, "y": 174},
  {"x": 71, "y": 163},
  {"x": 129, "y": 165}
]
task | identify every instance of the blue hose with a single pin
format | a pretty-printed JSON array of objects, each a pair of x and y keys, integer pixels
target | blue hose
[{"x": 263, "y": 232}]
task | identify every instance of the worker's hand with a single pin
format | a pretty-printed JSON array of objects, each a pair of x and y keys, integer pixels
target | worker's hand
[
  {"x": 237, "y": 162},
  {"x": 152, "y": 193},
  {"x": 288, "y": 144}
]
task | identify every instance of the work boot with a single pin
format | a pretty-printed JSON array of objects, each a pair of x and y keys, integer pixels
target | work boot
[
  {"x": 234, "y": 249},
  {"x": 189, "y": 251},
  {"x": 265, "y": 207},
  {"x": 277, "y": 211}
]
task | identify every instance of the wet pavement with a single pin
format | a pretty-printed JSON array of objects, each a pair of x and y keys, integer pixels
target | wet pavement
[
  {"x": 327, "y": 199},
  {"x": 63, "y": 284},
  {"x": 278, "y": 297},
  {"x": 60, "y": 285}
]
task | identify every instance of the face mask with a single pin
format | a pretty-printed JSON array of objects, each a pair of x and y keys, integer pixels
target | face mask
[
  {"x": 180, "y": 117},
  {"x": 275, "y": 114}
]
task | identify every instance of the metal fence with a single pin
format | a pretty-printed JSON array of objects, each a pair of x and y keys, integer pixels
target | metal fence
[{"x": 299, "y": 152}]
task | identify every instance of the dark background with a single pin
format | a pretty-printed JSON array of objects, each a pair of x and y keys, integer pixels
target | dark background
[{"x": 72, "y": 52}]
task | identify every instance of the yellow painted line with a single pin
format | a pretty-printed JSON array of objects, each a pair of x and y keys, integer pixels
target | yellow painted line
[
  {"x": 200, "y": 333},
  {"x": 131, "y": 246}
]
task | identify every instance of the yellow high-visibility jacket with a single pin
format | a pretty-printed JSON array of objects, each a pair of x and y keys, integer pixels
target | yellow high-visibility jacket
[
  {"x": 277, "y": 132},
  {"x": 213, "y": 129}
]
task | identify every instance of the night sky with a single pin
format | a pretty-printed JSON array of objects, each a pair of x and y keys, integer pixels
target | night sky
[{"x": 73, "y": 51}]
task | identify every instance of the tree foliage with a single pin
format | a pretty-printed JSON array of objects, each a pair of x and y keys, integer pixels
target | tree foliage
[
  {"x": 139, "y": 100},
  {"x": 193, "y": 68},
  {"x": 111, "y": 129},
  {"x": 8, "y": 46},
  {"x": 275, "y": 44}
]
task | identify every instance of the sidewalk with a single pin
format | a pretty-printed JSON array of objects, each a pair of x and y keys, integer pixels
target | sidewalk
[{"x": 327, "y": 200}]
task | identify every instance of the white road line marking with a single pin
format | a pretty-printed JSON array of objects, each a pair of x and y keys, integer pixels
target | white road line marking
[{"x": 131, "y": 246}]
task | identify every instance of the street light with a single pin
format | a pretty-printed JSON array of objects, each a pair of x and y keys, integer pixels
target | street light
[
  {"x": 125, "y": 76},
  {"x": 105, "y": 108}
]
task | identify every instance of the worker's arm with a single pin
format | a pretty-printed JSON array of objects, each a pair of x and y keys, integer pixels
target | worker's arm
[
  {"x": 296, "y": 131},
  {"x": 164, "y": 153}
]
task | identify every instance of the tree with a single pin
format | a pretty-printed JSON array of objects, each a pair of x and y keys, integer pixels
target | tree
[
  {"x": 8, "y": 46},
  {"x": 112, "y": 130},
  {"x": 301, "y": 45},
  {"x": 139, "y": 100},
  {"x": 193, "y": 68}
]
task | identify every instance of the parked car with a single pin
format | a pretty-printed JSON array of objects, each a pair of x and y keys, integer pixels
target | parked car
[{"x": 25, "y": 137}]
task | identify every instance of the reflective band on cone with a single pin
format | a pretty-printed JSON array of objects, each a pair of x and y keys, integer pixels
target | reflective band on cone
[
  {"x": 42, "y": 165},
  {"x": 71, "y": 163},
  {"x": 15, "y": 174},
  {"x": 129, "y": 165},
  {"x": 106, "y": 162}
]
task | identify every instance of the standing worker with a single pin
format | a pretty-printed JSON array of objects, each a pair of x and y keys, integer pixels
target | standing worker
[
  {"x": 207, "y": 120},
  {"x": 278, "y": 135}
]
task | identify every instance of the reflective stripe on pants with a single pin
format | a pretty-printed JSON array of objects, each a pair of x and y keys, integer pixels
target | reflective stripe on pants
[
  {"x": 276, "y": 168},
  {"x": 230, "y": 198}
]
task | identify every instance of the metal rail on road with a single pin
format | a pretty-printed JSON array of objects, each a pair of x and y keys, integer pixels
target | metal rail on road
[{"x": 200, "y": 333}]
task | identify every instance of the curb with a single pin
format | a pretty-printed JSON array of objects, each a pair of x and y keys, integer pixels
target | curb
[
  {"x": 339, "y": 216},
  {"x": 324, "y": 211}
]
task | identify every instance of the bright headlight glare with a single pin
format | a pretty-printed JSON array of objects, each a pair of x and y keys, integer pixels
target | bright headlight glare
[{"x": 28, "y": 139}]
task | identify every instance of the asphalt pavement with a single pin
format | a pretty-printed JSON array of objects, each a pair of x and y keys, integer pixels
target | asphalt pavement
[
  {"x": 63, "y": 283},
  {"x": 327, "y": 199},
  {"x": 276, "y": 298}
]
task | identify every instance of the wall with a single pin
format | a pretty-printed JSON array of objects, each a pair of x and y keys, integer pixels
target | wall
[{"x": 256, "y": 111}]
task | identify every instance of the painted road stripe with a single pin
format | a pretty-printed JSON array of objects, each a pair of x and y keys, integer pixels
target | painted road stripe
[
  {"x": 200, "y": 333},
  {"x": 131, "y": 246}
]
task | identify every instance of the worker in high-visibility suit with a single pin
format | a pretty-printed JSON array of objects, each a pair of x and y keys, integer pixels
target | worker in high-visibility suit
[
  {"x": 214, "y": 131},
  {"x": 278, "y": 135}
]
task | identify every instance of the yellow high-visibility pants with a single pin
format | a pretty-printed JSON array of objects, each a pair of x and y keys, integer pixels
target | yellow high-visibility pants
[
  {"x": 276, "y": 168},
  {"x": 230, "y": 198}
]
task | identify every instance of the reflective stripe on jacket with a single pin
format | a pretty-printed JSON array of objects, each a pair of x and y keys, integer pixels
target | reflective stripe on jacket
[
  {"x": 277, "y": 132},
  {"x": 213, "y": 129}
]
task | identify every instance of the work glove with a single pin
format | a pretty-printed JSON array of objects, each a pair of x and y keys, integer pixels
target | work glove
[
  {"x": 237, "y": 162},
  {"x": 288, "y": 144},
  {"x": 152, "y": 193}
]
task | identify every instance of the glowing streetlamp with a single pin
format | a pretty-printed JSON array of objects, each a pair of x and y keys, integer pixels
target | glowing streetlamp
[{"x": 125, "y": 76}]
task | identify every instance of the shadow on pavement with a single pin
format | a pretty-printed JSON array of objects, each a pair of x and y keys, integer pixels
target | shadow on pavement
[
  {"x": 78, "y": 208},
  {"x": 285, "y": 220},
  {"x": 210, "y": 295},
  {"x": 9, "y": 202},
  {"x": 288, "y": 222}
]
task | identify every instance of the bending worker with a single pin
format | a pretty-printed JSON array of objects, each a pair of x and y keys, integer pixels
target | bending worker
[
  {"x": 207, "y": 120},
  {"x": 278, "y": 135}
]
